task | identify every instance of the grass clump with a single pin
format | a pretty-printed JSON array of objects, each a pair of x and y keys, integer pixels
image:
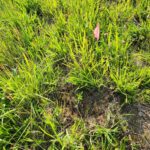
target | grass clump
[{"x": 57, "y": 83}]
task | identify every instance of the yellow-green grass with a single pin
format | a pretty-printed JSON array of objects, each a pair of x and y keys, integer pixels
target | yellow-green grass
[{"x": 46, "y": 44}]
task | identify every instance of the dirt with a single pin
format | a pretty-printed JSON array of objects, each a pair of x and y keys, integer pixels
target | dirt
[
  {"x": 102, "y": 107},
  {"x": 139, "y": 124},
  {"x": 94, "y": 107}
]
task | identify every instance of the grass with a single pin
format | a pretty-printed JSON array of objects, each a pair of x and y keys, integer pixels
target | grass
[{"x": 48, "y": 56}]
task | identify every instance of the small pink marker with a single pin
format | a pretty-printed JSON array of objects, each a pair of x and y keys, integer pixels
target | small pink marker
[{"x": 97, "y": 32}]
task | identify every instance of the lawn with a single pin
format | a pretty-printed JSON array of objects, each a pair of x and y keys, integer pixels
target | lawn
[{"x": 74, "y": 74}]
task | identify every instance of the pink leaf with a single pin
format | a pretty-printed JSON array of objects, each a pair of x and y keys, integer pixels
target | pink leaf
[{"x": 97, "y": 32}]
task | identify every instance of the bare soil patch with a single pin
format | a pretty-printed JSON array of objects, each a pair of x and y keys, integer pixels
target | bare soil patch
[{"x": 139, "y": 124}]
